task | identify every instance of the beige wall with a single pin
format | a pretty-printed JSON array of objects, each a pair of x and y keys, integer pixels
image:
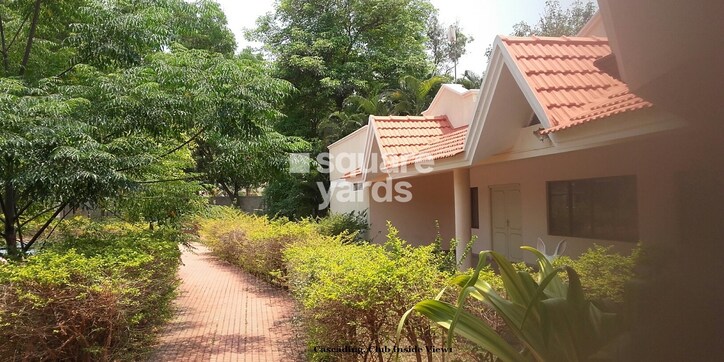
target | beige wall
[
  {"x": 432, "y": 199},
  {"x": 655, "y": 162},
  {"x": 344, "y": 199},
  {"x": 662, "y": 163},
  {"x": 346, "y": 155}
]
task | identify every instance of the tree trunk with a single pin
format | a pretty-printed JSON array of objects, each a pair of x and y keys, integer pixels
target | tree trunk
[
  {"x": 238, "y": 200},
  {"x": 31, "y": 36},
  {"x": 10, "y": 233}
]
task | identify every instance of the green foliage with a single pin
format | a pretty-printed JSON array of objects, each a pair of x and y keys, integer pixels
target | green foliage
[
  {"x": 96, "y": 96},
  {"x": 331, "y": 50},
  {"x": 354, "y": 114},
  {"x": 470, "y": 80},
  {"x": 240, "y": 163},
  {"x": 448, "y": 258},
  {"x": 294, "y": 196},
  {"x": 99, "y": 293},
  {"x": 167, "y": 200},
  {"x": 355, "y": 294},
  {"x": 411, "y": 97},
  {"x": 353, "y": 224},
  {"x": 557, "y": 21},
  {"x": 414, "y": 95},
  {"x": 551, "y": 320},
  {"x": 202, "y": 25},
  {"x": 603, "y": 273},
  {"x": 252, "y": 242}
]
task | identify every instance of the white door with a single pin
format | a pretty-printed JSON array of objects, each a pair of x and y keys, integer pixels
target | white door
[{"x": 507, "y": 227}]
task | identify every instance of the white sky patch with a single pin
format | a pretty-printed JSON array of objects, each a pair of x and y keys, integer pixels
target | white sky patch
[{"x": 482, "y": 19}]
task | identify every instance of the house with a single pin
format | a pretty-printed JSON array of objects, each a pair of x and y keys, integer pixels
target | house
[{"x": 554, "y": 145}]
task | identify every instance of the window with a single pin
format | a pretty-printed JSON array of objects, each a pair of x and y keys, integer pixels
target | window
[
  {"x": 474, "y": 217},
  {"x": 600, "y": 208}
]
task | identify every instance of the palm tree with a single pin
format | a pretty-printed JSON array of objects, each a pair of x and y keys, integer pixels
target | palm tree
[
  {"x": 414, "y": 95},
  {"x": 355, "y": 113}
]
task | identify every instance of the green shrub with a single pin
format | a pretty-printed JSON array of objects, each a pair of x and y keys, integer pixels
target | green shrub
[
  {"x": 254, "y": 243},
  {"x": 352, "y": 223},
  {"x": 603, "y": 273},
  {"x": 98, "y": 294},
  {"x": 354, "y": 295}
]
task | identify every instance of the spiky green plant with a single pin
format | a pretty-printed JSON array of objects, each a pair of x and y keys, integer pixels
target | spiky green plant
[{"x": 551, "y": 320}]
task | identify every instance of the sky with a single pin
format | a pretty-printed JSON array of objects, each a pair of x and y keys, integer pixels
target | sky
[{"x": 482, "y": 19}]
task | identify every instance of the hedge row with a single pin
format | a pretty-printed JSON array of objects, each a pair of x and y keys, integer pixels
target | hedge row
[
  {"x": 100, "y": 292},
  {"x": 252, "y": 242}
]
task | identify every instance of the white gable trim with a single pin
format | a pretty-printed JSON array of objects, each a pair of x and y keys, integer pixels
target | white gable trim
[
  {"x": 371, "y": 136},
  {"x": 589, "y": 29},
  {"x": 448, "y": 87},
  {"x": 523, "y": 84},
  {"x": 499, "y": 58},
  {"x": 487, "y": 89}
]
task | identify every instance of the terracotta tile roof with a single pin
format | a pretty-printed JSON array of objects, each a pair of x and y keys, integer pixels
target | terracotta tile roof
[
  {"x": 567, "y": 83},
  {"x": 405, "y": 139},
  {"x": 447, "y": 145},
  {"x": 619, "y": 100}
]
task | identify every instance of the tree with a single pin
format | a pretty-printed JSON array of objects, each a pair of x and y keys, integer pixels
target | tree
[
  {"x": 295, "y": 196},
  {"x": 242, "y": 164},
  {"x": 69, "y": 137},
  {"x": 95, "y": 94},
  {"x": 168, "y": 195},
  {"x": 330, "y": 50},
  {"x": 470, "y": 80},
  {"x": 355, "y": 112},
  {"x": 202, "y": 25},
  {"x": 556, "y": 21}
]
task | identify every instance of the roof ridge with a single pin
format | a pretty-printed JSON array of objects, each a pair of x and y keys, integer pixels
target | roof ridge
[
  {"x": 409, "y": 118},
  {"x": 554, "y": 39}
]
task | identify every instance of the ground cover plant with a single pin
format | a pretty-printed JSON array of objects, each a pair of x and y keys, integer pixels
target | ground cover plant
[{"x": 97, "y": 292}]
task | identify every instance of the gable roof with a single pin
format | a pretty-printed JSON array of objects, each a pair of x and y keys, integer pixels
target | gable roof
[
  {"x": 404, "y": 140},
  {"x": 559, "y": 78},
  {"x": 565, "y": 81}
]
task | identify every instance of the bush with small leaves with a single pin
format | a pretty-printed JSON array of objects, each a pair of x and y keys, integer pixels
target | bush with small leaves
[
  {"x": 603, "y": 273},
  {"x": 252, "y": 242},
  {"x": 98, "y": 293},
  {"x": 353, "y": 223}
]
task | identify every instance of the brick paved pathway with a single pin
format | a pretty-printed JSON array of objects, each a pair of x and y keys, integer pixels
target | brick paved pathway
[{"x": 225, "y": 314}]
